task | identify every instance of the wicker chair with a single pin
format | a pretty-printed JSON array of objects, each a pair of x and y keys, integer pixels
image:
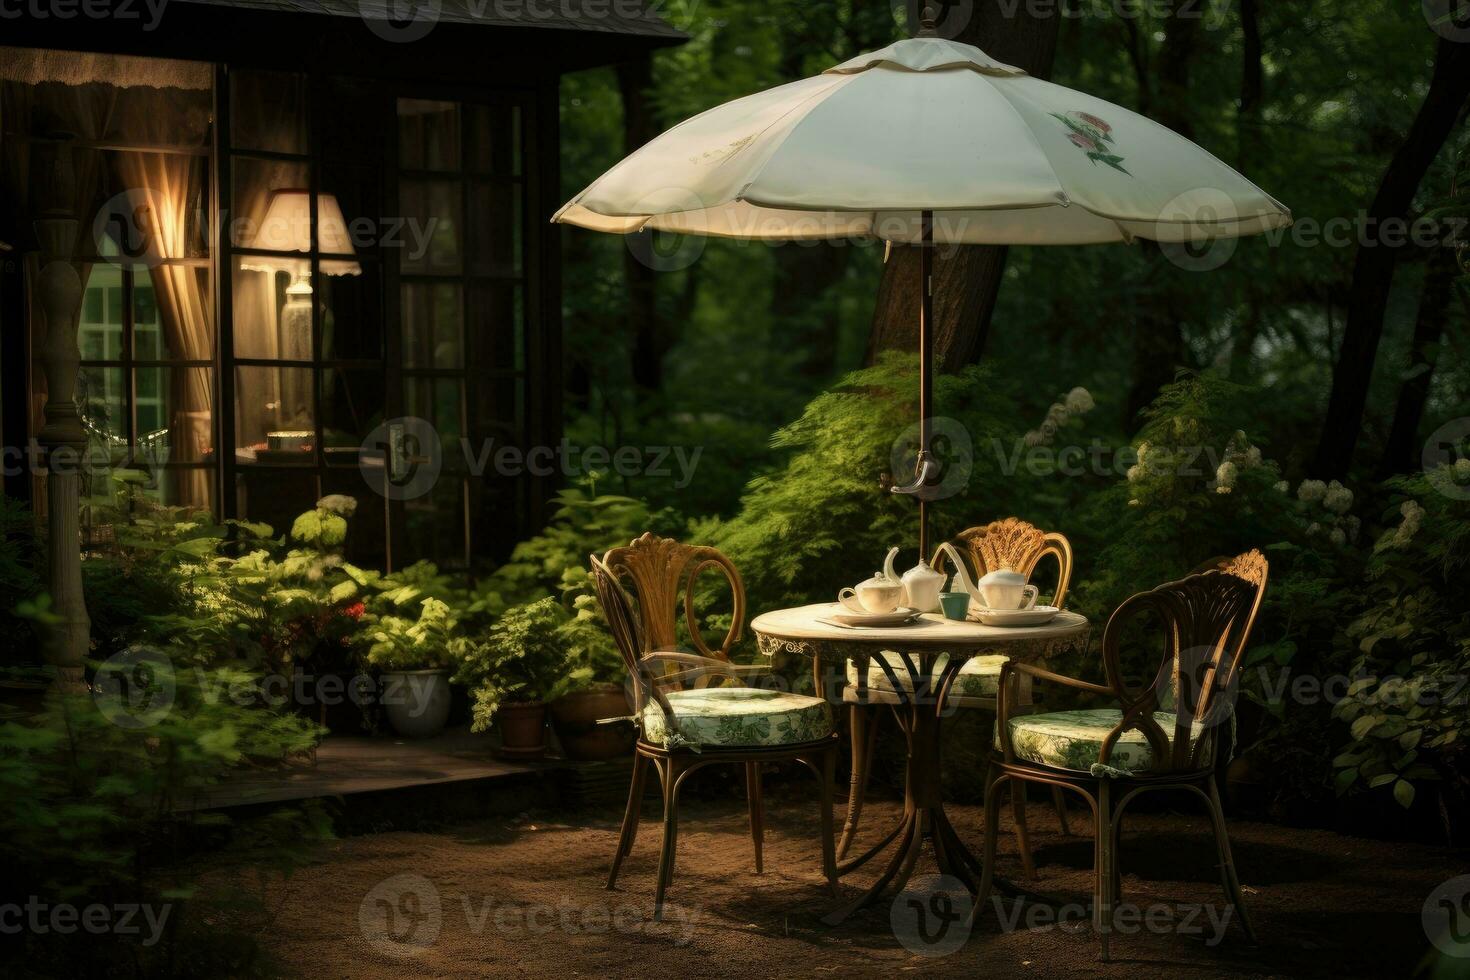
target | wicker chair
[
  {"x": 696, "y": 710},
  {"x": 1110, "y": 756},
  {"x": 1010, "y": 543}
]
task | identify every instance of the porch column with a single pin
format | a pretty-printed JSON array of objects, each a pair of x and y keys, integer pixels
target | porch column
[{"x": 63, "y": 441}]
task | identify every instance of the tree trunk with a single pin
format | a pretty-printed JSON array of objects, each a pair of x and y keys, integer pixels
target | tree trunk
[
  {"x": 1399, "y": 454},
  {"x": 1373, "y": 267},
  {"x": 1158, "y": 345},
  {"x": 966, "y": 277},
  {"x": 652, "y": 338},
  {"x": 1248, "y": 140},
  {"x": 1252, "y": 86}
]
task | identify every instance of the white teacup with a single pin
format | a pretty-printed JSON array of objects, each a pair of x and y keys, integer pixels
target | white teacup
[
  {"x": 872, "y": 598},
  {"x": 1007, "y": 596}
]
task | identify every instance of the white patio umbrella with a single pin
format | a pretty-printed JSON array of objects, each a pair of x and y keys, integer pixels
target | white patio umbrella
[{"x": 925, "y": 141}]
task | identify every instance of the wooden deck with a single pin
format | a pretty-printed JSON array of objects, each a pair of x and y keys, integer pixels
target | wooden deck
[{"x": 349, "y": 765}]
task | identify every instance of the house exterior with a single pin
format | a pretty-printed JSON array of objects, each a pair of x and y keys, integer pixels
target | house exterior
[{"x": 297, "y": 228}]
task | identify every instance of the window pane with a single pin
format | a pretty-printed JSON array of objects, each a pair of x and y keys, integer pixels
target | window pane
[
  {"x": 428, "y": 135},
  {"x": 273, "y": 415},
  {"x": 433, "y": 324},
  {"x": 435, "y": 205},
  {"x": 500, "y": 415},
  {"x": 357, "y": 192},
  {"x": 270, "y": 206},
  {"x": 351, "y": 314},
  {"x": 495, "y": 228},
  {"x": 440, "y": 402},
  {"x": 173, "y": 314},
  {"x": 272, "y": 312},
  {"x": 435, "y": 524},
  {"x": 174, "y": 407},
  {"x": 100, "y": 328},
  {"x": 493, "y": 138},
  {"x": 159, "y": 208},
  {"x": 352, "y": 403},
  {"x": 102, "y": 401},
  {"x": 268, "y": 111},
  {"x": 496, "y": 336}
]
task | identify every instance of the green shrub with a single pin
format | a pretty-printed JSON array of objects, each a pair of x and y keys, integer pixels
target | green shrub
[
  {"x": 524, "y": 658},
  {"x": 1407, "y": 705}
]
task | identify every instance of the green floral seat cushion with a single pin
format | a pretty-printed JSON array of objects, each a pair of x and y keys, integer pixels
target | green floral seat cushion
[
  {"x": 978, "y": 678},
  {"x": 737, "y": 716},
  {"x": 1073, "y": 740}
]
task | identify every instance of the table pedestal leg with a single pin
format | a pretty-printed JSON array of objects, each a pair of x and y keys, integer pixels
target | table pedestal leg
[{"x": 923, "y": 818}]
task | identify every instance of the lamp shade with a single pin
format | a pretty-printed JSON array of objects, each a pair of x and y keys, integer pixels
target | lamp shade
[{"x": 287, "y": 228}]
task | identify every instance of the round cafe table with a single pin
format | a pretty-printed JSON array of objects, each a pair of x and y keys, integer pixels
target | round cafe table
[{"x": 918, "y": 695}]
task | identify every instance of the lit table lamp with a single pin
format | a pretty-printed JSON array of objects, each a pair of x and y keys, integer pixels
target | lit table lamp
[{"x": 287, "y": 228}]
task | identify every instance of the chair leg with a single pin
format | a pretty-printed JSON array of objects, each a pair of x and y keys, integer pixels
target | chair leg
[
  {"x": 631, "y": 816},
  {"x": 827, "y": 770},
  {"x": 992, "y": 831},
  {"x": 1018, "y": 814},
  {"x": 1227, "y": 863},
  {"x": 863, "y": 733},
  {"x": 1059, "y": 803},
  {"x": 757, "y": 811},
  {"x": 1103, "y": 868},
  {"x": 669, "y": 771}
]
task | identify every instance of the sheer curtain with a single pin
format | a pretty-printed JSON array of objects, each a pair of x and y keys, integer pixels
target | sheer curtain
[{"x": 175, "y": 189}]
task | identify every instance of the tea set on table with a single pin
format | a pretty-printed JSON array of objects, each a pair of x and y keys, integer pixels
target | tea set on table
[{"x": 1000, "y": 598}]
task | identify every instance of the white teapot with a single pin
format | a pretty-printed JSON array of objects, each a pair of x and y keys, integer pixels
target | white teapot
[
  {"x": 1004, "y": 588},
  {"x": 879, "y": 594},
  {"x": 921, "y": 584}
]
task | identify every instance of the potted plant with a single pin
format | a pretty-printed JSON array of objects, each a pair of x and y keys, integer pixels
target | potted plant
[
  {"x": 519, "y": 665},
  {"x": 414, "y": 656},
  {"x": 591, "y": 716}
]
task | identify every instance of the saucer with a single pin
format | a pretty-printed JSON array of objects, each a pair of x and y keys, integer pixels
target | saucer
[
  {"x": 898, "y": 617},
  {"x": 1034, "y": 616}
]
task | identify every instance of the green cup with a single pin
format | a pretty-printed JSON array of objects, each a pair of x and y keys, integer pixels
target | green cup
[{"x": 956, "y": 605}]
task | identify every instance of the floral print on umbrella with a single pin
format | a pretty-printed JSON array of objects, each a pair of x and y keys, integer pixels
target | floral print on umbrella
[{"x": 1092, "y": 136}]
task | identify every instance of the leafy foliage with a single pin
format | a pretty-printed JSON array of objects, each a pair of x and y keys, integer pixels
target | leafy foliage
[
  {"x": 523, "y": 659},
  {"x": 1407, "y": 705}
]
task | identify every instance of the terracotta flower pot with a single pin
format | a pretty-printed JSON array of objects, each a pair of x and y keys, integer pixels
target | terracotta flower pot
[
  {"x": 575, "y": 718},
  {"x": 522, "y": 729}
]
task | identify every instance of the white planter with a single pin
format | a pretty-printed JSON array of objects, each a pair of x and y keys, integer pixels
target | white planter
[{"x": 417, "y": 701}]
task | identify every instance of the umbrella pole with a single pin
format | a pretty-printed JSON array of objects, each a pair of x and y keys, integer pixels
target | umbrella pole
[{"x": 926, "y": 366}]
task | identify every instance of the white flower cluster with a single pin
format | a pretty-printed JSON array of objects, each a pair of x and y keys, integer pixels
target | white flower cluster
[
  {"x": 1400, "y": 536},
  {"x": 1239, "y": 455},
  {"x": 1138, "y": 469},
  {"x": 338, "y": 503},
  {"x": 1339, "y": 526},
  {"x": 1076, "y": 402}
]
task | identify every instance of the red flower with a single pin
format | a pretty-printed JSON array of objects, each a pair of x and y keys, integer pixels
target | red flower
[
  {"x": 1086, "y": 142},
  {"x": 354, "y": 611}
]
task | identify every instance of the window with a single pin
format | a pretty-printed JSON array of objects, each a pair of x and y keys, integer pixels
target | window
[
  {"x": 140, "y": 133},
  {"x": 461, "y": 299},
  {"x": 308, "y": 371}
]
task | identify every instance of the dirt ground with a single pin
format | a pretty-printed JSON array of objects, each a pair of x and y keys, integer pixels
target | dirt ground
[{"x": 525, "y": 898}]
